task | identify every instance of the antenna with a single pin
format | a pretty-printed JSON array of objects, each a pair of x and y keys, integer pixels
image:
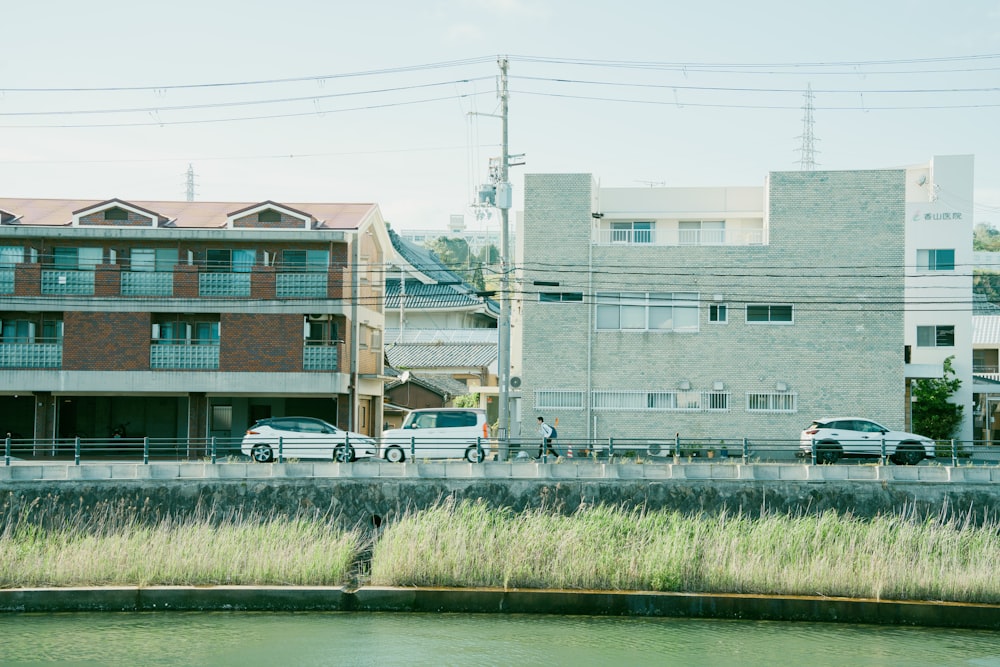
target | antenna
[{"x": 807, "y": 152}]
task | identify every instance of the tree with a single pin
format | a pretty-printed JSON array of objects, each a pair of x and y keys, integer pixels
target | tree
[
  {"x": 456, "y": 255},
  {"x": 934, "y": 415},
  {"x": 985, "y": 237},
  {"x": 986, "y": 283},
  {"x": 453, "y": 253},
  {"x": 467, "y": 401}
]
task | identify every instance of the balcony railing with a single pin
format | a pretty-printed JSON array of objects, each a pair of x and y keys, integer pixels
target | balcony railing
[
  {"x": 31, "y": 355},
  {"x": 305, "y": 285},
  {"x": 224, "y": 284},
  {"x": 147, "y": 283},
  {"x": 678, "y": 237},
  {"x": 67, "y": 282},
  {"x": 184, "y": 357},
  {"x": 6, "y": 281},
  {"x": 319, "y": 358}
]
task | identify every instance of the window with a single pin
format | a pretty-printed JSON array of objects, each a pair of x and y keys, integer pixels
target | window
[
  {"x": 269, "y": 215},
  {"x": 10, "y": 255},
  {"x": 302, "y": 261},
  {"x": 321, "y": 332},
  {"x": 563, "y": 400},
  {"x": 985, "y": 361},
  {"x": 941, "y": 335},
  {"x": 702, "y": 232},
  {"x": 772, "y": 402},
  {"x": 150, "y": 259},
  {"x": 557, "y": 297},
  {"x": 27, "y": 331},
  {"x": 642, "y": 311},
  {"x": 673, "y": 401},
  {"x": 716, "y": 401},
  {"x": 456, "y": 419},
  {"x": 116, "y": 213},
  {"x": 717, "y": 313},
  {"x": 769, "y": 313},
  {"x": 176, "y": 332},
  {"x": 631, "y": 232},
  {"x": 942, "y": 259},
  {"x": 206, "y": 333},
  {"x": 72, "y": 259},
  {"x": 230, "y": 261},
  {"x": 222, "y": 417}
]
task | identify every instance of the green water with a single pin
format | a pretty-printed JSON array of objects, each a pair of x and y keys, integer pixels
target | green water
[{"x": 248, "y": 639}]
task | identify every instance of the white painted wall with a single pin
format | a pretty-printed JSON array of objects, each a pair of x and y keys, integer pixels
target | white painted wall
[{"x": 939, "y": 214}]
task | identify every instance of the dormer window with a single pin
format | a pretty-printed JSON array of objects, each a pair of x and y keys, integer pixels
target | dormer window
[
  {"x": 116, "y": 213},
  {"x": 269, "y": 215}
]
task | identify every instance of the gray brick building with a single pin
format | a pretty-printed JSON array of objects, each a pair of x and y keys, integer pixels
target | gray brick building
[{"x": 732, "y": 312}]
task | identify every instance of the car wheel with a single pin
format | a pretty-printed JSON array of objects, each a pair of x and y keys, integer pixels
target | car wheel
[
  {"x": 828, "y": 453},
  {"x": 908, "y": 456},
  {"x": 474, "y": 455},
  {"x": 343, "y": 454},
  {"x": 395, "y": 455},
  {"x": 262, "y": 453}
]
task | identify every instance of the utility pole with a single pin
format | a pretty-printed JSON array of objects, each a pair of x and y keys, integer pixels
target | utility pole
[
  {"x": 498, "y": 194},
  {"x": 503, "y": 201}
]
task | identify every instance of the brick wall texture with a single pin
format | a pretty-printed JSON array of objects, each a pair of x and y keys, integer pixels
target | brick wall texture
[
  {"x": 106, "y": 341},
  {"x": 257, "y": 343},
  {"x": 835, "y": 251}
]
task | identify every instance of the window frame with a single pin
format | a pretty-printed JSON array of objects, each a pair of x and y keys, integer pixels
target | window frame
[
  {"x": 774, "y": 402},
  {"x": 629, "y": 309},
  {"x": 632, "y": 232},
  {"x": 770, "y": 314},
  {"x": 560, "y": 297},
  {"x": 937, "y": 333},
  {"x": 928, "y": 259},
  {"x": 311, "y": 261}
]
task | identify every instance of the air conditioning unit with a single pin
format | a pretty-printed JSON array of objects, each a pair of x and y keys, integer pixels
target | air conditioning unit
[{"x": 318, "y": 318}]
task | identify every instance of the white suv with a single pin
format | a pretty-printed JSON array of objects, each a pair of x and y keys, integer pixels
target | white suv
[
  {"x": 439, "y": 433},
  {"x": 838, "y": 437},
  {"x": 304, "y": 438}
]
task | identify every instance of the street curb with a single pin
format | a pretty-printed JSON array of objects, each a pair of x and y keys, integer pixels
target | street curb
[{"x": 479, "y": 600}]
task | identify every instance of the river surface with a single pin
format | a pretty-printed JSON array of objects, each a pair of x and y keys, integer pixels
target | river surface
[{"x": 307, "y": 639}]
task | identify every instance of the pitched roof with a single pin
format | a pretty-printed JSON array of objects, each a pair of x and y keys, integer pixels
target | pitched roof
[
  {"x": 420, "y": 295},
  {"x": 986, "y": 329},
  {"x": 198, "y": 214},
  {"x": 439, "y": 384},
  {"x": 441, "y": 356},
  {"x": 983, "y": 306}
]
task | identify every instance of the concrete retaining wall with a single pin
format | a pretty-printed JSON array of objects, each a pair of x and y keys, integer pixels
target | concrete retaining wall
[
  {"x": 360, "y": 492},
  {"x": 599, "y": 603}
]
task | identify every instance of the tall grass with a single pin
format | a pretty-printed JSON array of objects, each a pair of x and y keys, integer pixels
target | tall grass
[
  {"x": 465, "y": 544},
  {"x": 116, "y": 545},
  {"x": 890, "y": 557}
]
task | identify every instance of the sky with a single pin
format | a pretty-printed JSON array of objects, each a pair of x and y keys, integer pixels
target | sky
[{"x": 395, "y": 102}]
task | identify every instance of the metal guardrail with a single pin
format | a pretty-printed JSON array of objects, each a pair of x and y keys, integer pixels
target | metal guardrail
[{"x": 672, "y": 450}]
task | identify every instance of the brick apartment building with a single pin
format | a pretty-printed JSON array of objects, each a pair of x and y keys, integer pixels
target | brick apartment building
[{"x": 188, "y": 319}]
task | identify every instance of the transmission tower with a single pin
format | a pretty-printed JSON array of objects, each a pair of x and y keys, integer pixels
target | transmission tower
[
  {"x": 190, "y": 183},
  {"x": 807, "y": 151}
]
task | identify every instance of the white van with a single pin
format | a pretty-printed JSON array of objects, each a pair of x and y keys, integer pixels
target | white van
[{"x": 438, "y": 433}]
